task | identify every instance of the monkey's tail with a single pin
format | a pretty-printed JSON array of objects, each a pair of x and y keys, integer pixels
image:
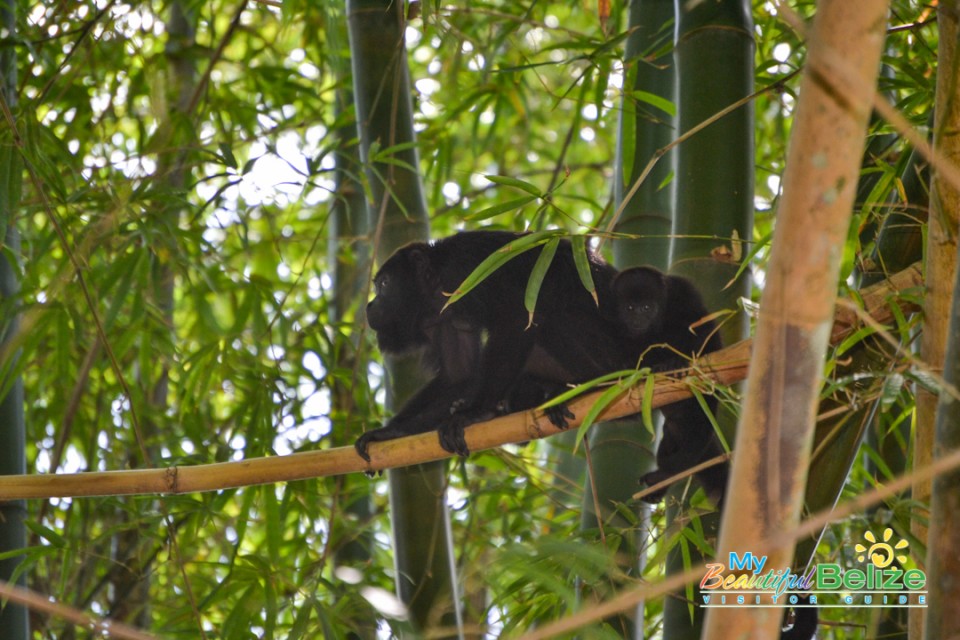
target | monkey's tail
[{"x": 805, "y": 621}]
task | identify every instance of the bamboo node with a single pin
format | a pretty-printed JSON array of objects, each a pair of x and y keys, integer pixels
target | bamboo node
[{"x": 171, "y": 478}]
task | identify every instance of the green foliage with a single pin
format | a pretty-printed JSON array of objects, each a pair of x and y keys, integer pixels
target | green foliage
[{"x": 508, "y": 97}]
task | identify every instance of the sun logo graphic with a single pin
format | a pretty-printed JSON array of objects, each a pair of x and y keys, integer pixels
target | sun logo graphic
[{"x": 882, "y": 554}]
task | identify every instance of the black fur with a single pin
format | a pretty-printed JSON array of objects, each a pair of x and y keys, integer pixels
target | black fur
[
  {"x": 655, "y": 312},
  {"x": 481, "y": 347}
]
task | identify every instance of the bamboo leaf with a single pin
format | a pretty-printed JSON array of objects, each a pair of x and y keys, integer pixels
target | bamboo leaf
[
  {"x": 663, "y": 104},
  {"x": 497, "y": 259},
  {"x": 516, "y": 183},
  {"x": 667, "y": 179},
  {"x": 503, "y": 207},
  {"x": 566, "y": 396},
  {"x": 539, "y": 272},
  {"x": 854, "y": 339},
  {"x": 647, "y": 412},
  {"x": 758, "y": 246},
  {"x": 713, "y": 420},
  {"x": 890, "y": 393},
  {"x": 50, "y": 535},
  {"x": 273, "y": 520},
  {"x": 229, "y": 159},
  {"x": 607, "y": 398},
  {"x": 582, "y": 260}
]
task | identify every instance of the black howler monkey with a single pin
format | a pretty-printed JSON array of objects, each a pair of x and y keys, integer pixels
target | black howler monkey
[
  {"x": 481, "y": 347},
  {"x": 656, "y": 313}
]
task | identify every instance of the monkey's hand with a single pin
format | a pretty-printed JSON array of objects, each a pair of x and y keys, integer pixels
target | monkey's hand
[
  {"x": 401, "y": 425},
  {"x": 451, "y": 431},
  {"x": 361, "y": 446},
  {"x": 362, "y": 443},
  {"x": 388, "y": 432}
]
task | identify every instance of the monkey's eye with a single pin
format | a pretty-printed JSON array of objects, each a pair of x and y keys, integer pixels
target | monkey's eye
[{"x": 647, "y": 308}]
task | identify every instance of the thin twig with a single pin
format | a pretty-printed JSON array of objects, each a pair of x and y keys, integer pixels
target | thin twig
[{"x": 39, "y": 602}]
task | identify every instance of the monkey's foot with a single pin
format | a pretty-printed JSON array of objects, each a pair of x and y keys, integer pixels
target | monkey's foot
[
  {"x": 558, "y": 415},
  {"x": 651, "y": 479},
  {"x": 452, "y": 439},
  {"x": 451, "y": 433}
]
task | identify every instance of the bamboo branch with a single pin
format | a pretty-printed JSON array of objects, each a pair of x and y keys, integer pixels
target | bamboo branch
[{"x": 726, "y": 366}]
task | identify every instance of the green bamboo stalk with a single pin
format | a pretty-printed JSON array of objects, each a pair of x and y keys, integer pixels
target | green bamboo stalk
[
  {"x": 645, "y": 127},
  {"x": 381, "y": 84},
  {"x": 13, "y": 618},
  {"x": 423, "y": 552},
  {"x": 714, "y": 202},
  {"x": 714, "y": 57},
  {"x": 623, "y": 451}
]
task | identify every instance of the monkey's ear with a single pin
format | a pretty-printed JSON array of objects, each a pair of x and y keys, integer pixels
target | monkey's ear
[
  {"x": 423, "y": 267},
  {"x": 621, "y": 278}
]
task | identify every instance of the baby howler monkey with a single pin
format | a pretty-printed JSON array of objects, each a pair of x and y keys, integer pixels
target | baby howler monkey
[{"x": 660, "y": 317}]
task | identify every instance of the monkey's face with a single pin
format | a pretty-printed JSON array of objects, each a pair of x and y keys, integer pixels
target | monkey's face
[
  {"x": 640, "y": 295},
  {"x": 639, "y": 315},
  {"x": 396, "y": 313},
  {"x": 404, "y": 305}
]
